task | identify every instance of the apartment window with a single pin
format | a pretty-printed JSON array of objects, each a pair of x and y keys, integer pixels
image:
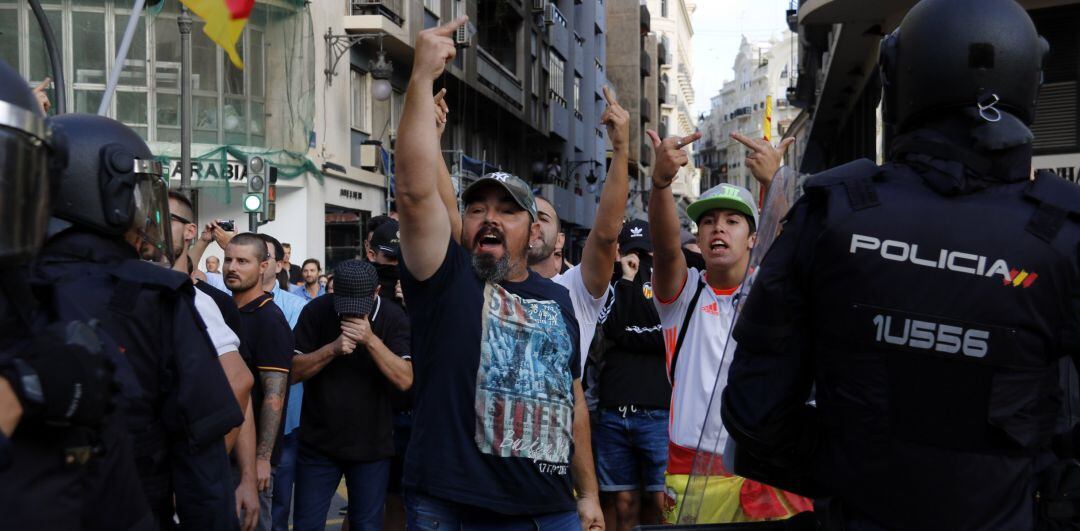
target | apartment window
[
  {"x": 147, "y": 97},
  {"x": 361, "y": 117},
  {"x": 498, "y": 28},
  {"x": 577, "y": 96},
  {"x": 536, "y": 76},
  {"x": 557, "y": 66},
  {"x": 663, "y": 8},
  {"x": 432, "y": 6},
  {"x": 397, "y": 105}
]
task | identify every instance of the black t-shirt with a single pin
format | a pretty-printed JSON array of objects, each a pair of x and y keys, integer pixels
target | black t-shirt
[
  {"x": 346, "y": 412},
  {"x": 494, "y": 401},
  {"x": 270, "y": 343},
  {"x": 633, "y": 371}
]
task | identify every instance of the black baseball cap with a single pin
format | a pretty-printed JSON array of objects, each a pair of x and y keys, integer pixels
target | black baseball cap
[
  {"x": 514, "y": 185},
  {"x": 355, "y": 282},
  {"x": 386, "y": 238},
  {"x": 635, "y": 237}
]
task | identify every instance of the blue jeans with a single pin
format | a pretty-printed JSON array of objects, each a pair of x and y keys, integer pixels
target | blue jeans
[
  {"x": 317, "y": 478},
  {"x": 284, "y": 475},
  {"x": 631, "y": 448},
  {"x": 433, "y": 514}
]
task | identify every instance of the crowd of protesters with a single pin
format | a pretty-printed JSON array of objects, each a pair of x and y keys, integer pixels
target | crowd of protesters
[{"x": 563, "y": 395}]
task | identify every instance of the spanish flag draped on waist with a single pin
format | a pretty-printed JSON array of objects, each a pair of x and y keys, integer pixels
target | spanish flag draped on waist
[{"x": 726, "y": 498}]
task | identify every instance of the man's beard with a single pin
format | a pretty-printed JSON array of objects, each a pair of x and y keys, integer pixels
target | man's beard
[
  {"x": 540, "y": 252},
  {"x": 490, "y": 269}
]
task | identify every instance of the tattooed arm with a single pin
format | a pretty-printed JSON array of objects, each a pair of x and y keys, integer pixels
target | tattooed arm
[{"x": 270, "y": 411}]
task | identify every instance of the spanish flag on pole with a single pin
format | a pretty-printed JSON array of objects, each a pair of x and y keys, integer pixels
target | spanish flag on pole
[{"x": 225, "y": 21}]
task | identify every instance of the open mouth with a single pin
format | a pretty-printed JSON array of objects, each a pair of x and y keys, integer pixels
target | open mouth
[
  {"x": 488, "y": 240},
  {"x": 717, "y": 244}
]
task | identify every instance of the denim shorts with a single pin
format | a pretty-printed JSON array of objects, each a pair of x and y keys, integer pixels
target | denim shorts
[{"x": 631, "y": 447}]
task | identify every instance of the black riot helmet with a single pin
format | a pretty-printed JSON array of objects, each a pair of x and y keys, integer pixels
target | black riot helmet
[
  {"x": 113, "y": 184},
  {"x": 981, "y": 55},
  {"x": 29, "y": 155}
]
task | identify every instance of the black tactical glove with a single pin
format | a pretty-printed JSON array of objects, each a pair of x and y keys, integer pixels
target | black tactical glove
[{"x": 62, "y": 377}]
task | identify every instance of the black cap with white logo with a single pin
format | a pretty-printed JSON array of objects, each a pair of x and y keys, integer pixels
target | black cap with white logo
[
  {"x": 635, "y": 237},
  {"x": 387, "y": 239}
]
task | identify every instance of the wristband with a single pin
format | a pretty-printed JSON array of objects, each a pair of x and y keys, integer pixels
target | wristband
[{"x": 668, "y": 185}]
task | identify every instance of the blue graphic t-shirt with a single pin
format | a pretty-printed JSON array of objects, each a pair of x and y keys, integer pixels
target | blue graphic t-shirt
[{"x": 494, "y": 367}]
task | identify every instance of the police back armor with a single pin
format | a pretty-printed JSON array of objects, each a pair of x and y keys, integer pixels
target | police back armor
[
  {"x": 932, "y": 327},
  {"x": 176, "y": 401}
]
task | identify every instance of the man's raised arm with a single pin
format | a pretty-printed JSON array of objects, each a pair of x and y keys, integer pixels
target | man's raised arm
[
  {"x": 424, "y": 230},
  {"x": 601, "y": 247},
  {"x": 669, "y": 264},
  {"x": 446, "y": 184}
]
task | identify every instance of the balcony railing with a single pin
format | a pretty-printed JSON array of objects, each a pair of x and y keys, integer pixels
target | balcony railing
[
  {"x": 391, "y": 9},
  {"x": 500, "y": 80}
]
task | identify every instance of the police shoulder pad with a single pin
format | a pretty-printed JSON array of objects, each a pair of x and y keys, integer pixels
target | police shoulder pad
[
  {"x": 845, "y": 173},
  {"x": 1051, "y": 189},
  {"x": 148, "y": 274}
]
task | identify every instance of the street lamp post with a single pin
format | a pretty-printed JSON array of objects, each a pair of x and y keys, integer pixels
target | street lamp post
[
  {"x": 184, "y": 23},
  {"x": 338, "y": 45}
]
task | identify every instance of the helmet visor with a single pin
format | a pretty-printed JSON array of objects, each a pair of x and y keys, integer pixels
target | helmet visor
[
  {"x": 24, "y": 195},
  {"x": 152, "y": 221}
]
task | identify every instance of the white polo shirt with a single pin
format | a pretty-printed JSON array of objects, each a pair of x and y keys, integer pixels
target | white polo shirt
[{"x": 698, "y": 371}]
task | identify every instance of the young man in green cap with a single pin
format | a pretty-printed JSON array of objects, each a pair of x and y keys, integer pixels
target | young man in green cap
[{"x": 703, "y": 302}]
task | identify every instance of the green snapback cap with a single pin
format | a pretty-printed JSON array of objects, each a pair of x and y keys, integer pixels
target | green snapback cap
[{"x": 724, "y": 196}]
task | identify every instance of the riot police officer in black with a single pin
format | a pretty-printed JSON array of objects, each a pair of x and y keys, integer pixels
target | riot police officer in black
[
  {"x": 898, "y": 354},
  {"x": 111, "y": 219},
  {"x": 65, "y": 460}
]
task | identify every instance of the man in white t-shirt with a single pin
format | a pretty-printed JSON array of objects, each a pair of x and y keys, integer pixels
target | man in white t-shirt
[
  {"x": 588, "y": 281},
  {"x": 703, "y": 302}
]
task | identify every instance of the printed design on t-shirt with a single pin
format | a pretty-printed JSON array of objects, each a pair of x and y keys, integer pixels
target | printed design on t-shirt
[
  {"x": 524, "y": 388},
  {"x": 711, "y": 309}
]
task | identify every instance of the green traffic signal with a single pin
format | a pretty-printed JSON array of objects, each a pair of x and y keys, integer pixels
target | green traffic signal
[{"x": 253, "y": 203}]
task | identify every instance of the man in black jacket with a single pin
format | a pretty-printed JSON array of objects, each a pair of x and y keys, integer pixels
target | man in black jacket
[{"x": 631, "y": 432}]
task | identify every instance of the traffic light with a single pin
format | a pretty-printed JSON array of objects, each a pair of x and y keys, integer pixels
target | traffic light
[
  {"x": 271, "y": 195},
  {"x": 255, "y": 199}
]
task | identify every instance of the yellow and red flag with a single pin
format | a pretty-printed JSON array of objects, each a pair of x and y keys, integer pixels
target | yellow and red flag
[
  {"x": 225, "y": 21},
  {"x": 240, "y": 8}
]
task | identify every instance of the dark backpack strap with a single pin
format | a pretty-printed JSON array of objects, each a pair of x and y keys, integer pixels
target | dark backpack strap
[{"x": 682, "y": 331}]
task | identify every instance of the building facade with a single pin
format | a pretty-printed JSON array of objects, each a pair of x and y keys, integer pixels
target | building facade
[
  {"x": 649, "y": 65},
  {"x": 525, "y": 97},
  {"x": 839, "y": 88},
  {"x": 632, "y": 62},
  {"x": 674, "y": 32},
  {"x": 763, "y": 73}
]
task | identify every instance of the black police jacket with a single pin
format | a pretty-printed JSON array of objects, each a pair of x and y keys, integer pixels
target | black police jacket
[
  {"x": 927, "y": 311},
  {"x": 181, "y": 405},
  {"x": 62, "y": 477}
]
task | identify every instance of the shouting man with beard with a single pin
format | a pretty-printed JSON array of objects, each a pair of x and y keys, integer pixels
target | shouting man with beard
[{"x": 505, "y": 430}]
